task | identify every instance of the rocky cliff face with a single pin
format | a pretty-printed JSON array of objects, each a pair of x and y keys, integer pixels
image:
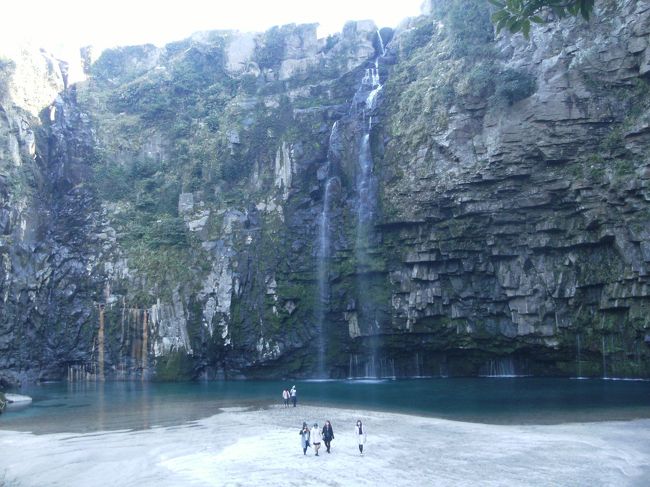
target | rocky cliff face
[
  {"x": 519, "y": 207},
  {"x": 433, "y": 202}
]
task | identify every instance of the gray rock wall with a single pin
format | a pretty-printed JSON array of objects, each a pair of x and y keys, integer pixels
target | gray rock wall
[
  {"x": 523, "y": 223},
  {"x": 162, "y": 218}
]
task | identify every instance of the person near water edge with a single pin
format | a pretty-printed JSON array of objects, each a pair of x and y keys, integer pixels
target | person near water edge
[
  {"x": 294, "y": 397},
  {"x": 285, "y": 397}
]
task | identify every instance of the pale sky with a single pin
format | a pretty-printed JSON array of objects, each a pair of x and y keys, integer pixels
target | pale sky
[{"x": 74, "y": 23}]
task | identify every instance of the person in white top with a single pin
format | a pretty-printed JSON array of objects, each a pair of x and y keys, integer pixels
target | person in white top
[
  {"x": 285, "y": 397},
  {"x": 360, "y": 433},
  {"x": 293, "y": 393},
  {"x": 315, "y": 437}
]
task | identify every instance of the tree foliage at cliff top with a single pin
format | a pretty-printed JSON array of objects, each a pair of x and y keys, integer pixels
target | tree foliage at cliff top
[{"x": 519, "y": 15}]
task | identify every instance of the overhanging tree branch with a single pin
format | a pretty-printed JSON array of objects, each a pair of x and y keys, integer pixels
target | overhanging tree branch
[{"x": 519, "y": 15}]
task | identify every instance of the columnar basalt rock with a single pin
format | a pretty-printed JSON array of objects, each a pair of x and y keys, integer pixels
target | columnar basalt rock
[{"x": 521, "y": 220}]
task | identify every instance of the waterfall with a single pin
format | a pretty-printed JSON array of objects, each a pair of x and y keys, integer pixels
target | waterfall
[
  {"x": 612, "y": 358},
  {"x": 443, "y": 369},
  {"x": 387, "y": 368},
  {"x": 122, "y": 362},
  {"x": 366, "y": 97},
  {"x": 134, "y": 336},
  {"x": 361, "y": 110},
  {"x": 100, "y": 343},
  {"x": 323, "y": 257},
  {"x": 365, "y": 189},
  {"x": 500, "y": 367},
  {"x": 78, "y": 372},
  {"x": 578, "y": 357},
  {"x": 369, "y": 367},
  {"x": 604, "y": 359},
  {"x": 132, "y": 357},
  {"x": 372, "y": 79},
  {"x": 145, "y": 342},
  {"x": 351, "y": 368},
  {"x": 381, "y": 43}
]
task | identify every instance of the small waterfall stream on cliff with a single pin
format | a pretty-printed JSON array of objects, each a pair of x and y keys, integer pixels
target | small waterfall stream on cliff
[
  {"x": 578, "y": 357},
  {"x": 371, "y": 368},
  {"x": 100, "y": 342},
  {"x": 322, "y": 303},
  {"x": 500, "y": 367},
  {"x": 134, "y": 343},
  {"x": 130, "y": 354},
  {"x": 605, "y": 376}
]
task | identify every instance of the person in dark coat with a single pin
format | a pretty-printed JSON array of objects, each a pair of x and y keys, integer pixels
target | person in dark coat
[{"x": 328, "y": 435}]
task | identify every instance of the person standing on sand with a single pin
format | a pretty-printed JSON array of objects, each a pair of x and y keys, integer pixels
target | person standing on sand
[
  {"x": 294, "y": 396},
  {"x": 304, "y": 438},
  {"x": 328, "y": 435},
  {"x": 285, "y": 397},
  {"x": 360, "y": 433},
  {"x": 315, "y": 437}
]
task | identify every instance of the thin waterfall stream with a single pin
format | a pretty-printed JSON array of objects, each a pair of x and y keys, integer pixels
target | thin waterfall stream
[
  {"x": 578, "y": 357},
  {"x": 324, "y": 244}
]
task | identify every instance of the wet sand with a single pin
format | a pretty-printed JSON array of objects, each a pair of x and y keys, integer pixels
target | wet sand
[{"x": 241, "y": 447}]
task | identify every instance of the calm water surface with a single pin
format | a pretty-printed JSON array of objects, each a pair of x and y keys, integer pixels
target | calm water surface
[{"x": 91, "y": 406}]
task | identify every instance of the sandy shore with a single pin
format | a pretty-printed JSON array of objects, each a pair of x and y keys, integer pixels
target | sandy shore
[{"x": 262, "y": 447}]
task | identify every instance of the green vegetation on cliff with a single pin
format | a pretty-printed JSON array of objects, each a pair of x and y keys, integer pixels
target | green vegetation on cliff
[
  {"x": 449, "y": 58},
  {"x": 459, "y": 60}
]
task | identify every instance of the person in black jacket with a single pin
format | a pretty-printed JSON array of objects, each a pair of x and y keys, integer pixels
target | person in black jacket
[{"x": 328, "y": 435}]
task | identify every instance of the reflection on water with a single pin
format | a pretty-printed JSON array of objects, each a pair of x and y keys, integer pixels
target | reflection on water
[{"x": 98, "y": 406}]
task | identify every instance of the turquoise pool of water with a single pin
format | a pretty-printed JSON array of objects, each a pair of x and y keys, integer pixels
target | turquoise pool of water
[{"x": 95, "y": 406}]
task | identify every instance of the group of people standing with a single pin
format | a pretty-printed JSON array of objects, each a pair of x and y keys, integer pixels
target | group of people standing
[
  {"x": 290, "y": 394},
  {"x": 314, "y": 436}
]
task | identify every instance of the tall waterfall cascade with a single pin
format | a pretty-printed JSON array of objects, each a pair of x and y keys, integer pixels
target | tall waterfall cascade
[
  {"x": 366, "y": 101},
  {"x": 360, "y": 114}
]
